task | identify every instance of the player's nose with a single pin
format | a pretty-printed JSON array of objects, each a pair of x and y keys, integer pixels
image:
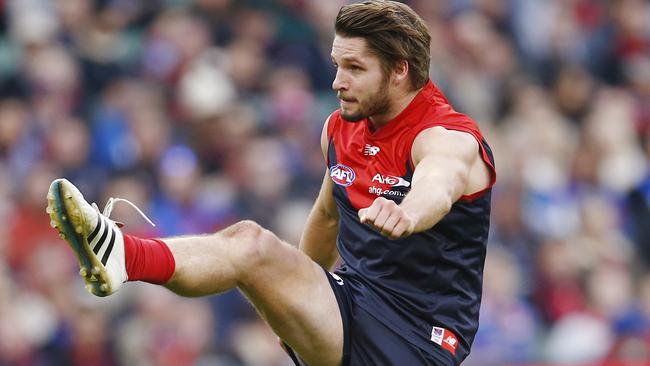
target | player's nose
[{"x": 339, "y": 82}]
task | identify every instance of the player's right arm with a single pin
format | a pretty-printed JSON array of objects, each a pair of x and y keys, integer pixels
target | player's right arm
[{"x": 319, "y": 236}]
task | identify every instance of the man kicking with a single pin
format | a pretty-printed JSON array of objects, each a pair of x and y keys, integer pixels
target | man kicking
[{"x": 405, "y": 203}]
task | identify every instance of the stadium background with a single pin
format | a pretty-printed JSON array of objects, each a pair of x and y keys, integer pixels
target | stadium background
[{"x": 206, "y": 111}]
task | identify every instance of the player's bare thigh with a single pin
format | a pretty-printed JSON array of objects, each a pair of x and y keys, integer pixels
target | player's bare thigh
[{"x": 289, "y": 290}]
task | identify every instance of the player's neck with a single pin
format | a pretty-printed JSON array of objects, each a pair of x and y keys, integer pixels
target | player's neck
[{"x": 399, "y": 102}]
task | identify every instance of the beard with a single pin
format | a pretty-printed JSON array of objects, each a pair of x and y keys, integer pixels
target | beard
[{"x": 377, "y": 103}]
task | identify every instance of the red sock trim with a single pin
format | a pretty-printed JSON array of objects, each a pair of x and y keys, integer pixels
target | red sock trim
[{"x": 148, "y": 260}]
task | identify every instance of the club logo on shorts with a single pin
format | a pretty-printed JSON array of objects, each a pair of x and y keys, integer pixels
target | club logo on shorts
[
  {"x": 342, "y": 175},
  {"x": 445, "y": 338}
]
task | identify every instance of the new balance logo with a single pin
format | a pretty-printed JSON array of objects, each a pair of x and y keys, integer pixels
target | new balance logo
[
  {"x": 370, "y": 150},
  {"x": 445, "y": 338},
  {"x": 451, "y": 341}
]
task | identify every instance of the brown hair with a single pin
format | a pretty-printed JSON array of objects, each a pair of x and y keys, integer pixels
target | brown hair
[{"x": 393, "y": 31}]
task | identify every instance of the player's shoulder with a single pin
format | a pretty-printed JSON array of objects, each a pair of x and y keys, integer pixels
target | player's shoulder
[
  {"x": 336, "y": 125},
  {"x": 440, "y": 109},
  {"x": 440, "y": 114},
  {"x": 332, "y": 120}
]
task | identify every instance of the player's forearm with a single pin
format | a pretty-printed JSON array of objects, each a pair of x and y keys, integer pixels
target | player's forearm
[
  {"x": 319, "y": 239},
  {"x": 432, "y": 196},
  {"x": 425, "y": 213}
]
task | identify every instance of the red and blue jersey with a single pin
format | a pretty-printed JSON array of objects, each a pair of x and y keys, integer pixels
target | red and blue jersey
[{"x": 426, "y": 286}]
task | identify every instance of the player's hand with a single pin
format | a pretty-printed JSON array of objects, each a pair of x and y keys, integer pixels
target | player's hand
[{"x": 387, "y": 218}]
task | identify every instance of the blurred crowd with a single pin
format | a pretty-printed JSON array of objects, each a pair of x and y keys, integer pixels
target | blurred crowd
[{"x": 204, "y": 112}]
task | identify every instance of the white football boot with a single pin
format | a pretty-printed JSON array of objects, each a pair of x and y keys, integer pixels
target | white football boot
[{"x": 96, "y": 240}]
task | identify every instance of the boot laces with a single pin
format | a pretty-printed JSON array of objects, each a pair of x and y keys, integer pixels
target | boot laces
[{"x": 108, "y": 209}]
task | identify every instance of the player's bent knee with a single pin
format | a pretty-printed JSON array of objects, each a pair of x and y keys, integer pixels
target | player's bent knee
[
  {"x": 255, "y": 245},
  {"x": 243, "y": 230}
]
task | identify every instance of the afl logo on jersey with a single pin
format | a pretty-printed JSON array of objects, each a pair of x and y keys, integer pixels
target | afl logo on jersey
[{"x": 342, "y": 175}]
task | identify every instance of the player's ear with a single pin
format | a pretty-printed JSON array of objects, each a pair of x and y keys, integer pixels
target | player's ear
[{"x": 401, "y": 72}]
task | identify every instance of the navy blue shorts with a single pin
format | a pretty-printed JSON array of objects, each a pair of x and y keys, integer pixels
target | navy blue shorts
[{"x": 367, "y": 341}]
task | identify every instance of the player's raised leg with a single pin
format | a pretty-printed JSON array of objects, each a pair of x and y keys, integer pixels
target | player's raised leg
[{"x": 289, "y": 290}]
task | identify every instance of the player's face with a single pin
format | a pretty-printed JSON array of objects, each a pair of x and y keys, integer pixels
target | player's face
[{"x": 360, "y": 84}]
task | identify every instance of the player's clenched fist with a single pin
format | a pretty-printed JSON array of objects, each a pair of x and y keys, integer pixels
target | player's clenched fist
[{"x": 388, "y": 218}]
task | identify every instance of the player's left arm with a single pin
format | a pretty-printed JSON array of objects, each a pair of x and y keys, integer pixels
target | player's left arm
[{"x": 447, "y": 165}]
